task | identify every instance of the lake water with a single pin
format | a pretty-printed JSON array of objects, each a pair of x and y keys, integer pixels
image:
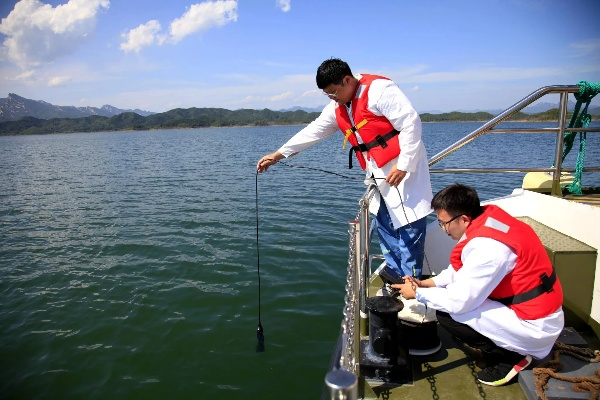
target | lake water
[{"x": 128, "y": 260}]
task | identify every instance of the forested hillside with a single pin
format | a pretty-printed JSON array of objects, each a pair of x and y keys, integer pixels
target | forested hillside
[{"x": 213, "y": 117}]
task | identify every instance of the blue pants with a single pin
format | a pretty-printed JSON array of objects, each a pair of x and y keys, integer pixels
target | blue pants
[{"x": 403, "y": 248}]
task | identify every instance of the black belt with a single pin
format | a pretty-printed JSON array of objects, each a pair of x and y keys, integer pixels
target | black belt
[
  {"x": 544, "y": 287},
  {"x": 378, "y": 141}
]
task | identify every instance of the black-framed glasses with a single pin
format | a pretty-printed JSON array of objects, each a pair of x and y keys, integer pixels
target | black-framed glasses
[{"x": 444, "y": 224}]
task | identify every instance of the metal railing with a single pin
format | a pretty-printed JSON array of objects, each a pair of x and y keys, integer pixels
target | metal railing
[
  {"x": 488, "y": 127},
  {"x": 342, "y": 382}
]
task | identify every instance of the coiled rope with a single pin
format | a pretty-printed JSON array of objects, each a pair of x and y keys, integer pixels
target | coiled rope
[
  {"x": 587, "y": 91},
  {"x": 550, "y": 369}
]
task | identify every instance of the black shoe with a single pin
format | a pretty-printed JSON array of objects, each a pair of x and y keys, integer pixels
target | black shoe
[
  {"x": 475, "y": 354},
  {"x": 502, "y": 373}
]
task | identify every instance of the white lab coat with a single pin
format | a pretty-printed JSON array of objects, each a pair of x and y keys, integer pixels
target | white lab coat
[{"x": 386, "y": 99}]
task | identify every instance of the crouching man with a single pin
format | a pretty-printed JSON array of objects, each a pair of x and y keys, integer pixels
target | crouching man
[{"x": 500, "y": 295}]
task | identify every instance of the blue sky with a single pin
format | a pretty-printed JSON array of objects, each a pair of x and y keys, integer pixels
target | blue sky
[{"x": 159, "y": 55}]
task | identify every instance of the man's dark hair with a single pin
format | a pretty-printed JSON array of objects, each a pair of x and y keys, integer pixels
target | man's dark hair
[
  {"x": 457, "y": 199},
  {"x": 331, "y": 72}
]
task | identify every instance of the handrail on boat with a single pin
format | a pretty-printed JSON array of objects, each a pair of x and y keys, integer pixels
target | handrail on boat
[
  {"x": 341, "y": 381},
  {"x": 557, "y": 169}
]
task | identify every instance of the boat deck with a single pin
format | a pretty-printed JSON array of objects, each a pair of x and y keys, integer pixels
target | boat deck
[
  {"x": 447, "y": 374},
  {"x": 450, "y": 374},
  {"x": 590, "y": 199}
]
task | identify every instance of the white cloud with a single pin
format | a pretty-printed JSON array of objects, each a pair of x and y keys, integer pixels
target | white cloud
[
  {"x": 38, "y": 32},
  {"x": 58, "y": 80},
  {"x": 142, "y": 36},
  {"x": 284, "y": 5},
  {"x": 282, "y": 96},
  {"x": 587, "y": 47},
  {"x": 203, "y": 16},
  {"x": 227, "y": 91},
  {"x": 25, "y": 75},
  {"x": 483, "y": 74},
  {"x": 198, "y": 18},
  {"x": 312, "y": 92}
]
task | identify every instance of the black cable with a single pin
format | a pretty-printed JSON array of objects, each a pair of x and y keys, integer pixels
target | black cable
[
  {"x": 321, "y": 170},
  {"x": 372, "y": 177},
  {"x": 260, "y": 347},
  {"x": 260, "y": 332}
]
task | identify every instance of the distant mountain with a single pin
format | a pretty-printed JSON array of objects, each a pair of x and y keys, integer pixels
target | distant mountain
[
  {"x": 430, "y": 112},
  {"x": 456, "y": 116},
  {"x": 173, "y": 119},
  {"x": 494, "y": 112},
  {"x": 537, "y": 108},
  {"x": 14, "y": 107},
  {"x": 211, "y": 117},
  {"x": 306, "y": 109},
  {"x": 19, "y": 115},
  {"x": 544, "y": 106}
]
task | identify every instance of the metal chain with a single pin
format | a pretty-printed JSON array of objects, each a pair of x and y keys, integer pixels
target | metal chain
[
  {"x": 432, "y": 382},
  {"x": 347, "y": 359}
]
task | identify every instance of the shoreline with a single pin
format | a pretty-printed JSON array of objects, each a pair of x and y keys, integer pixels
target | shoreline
[{"x": 247, "y": 126}]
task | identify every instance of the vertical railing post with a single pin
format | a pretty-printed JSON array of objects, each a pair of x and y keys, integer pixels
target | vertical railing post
[
  {"x": 342, "y": 385},
  {"x": 342, "y": 382},
  {"x": 358, "y": 297},
  {"x": 351, "y": 344},
  {"x": 364, "y": 265},
  {"x": 562, "y": 121}
]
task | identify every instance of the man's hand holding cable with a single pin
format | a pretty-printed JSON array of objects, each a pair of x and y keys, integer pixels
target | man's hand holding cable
[
  {"x": 408, "y": 289},
  {"x": 395, "y": 176},
  {"x": 268, "y": 160}
]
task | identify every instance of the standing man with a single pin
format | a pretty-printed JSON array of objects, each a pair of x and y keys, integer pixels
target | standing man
[
  {"x": 384, "y": 131},
  {"x": 500, "y": 295}
]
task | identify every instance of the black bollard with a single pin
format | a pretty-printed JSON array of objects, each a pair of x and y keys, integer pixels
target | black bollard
[{"x": 383, "y": 311}]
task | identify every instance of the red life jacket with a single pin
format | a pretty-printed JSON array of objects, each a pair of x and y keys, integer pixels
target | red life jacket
[
  {"x": 372, "y": 128},
  {"x": 532, "y": 263}
]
